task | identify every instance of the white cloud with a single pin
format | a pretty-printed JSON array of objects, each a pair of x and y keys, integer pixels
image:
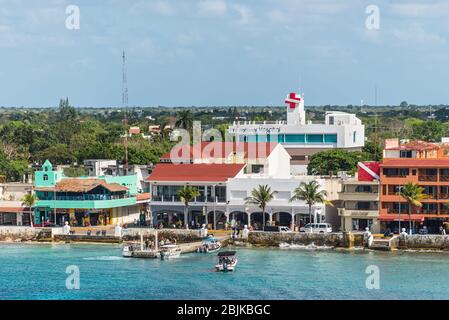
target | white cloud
[
  {"x": 244, "y": 12},
  {"x": 212, "y": 7},
  {"x": 425, "y": 9},
  {"x": 417, "y": 35},
  {"x": 162, "y": 7}
]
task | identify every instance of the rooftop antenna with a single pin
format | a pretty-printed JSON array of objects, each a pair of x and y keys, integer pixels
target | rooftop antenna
[
  {"x": 361, "y": 106},
  {"x": 125, "y": 107}
]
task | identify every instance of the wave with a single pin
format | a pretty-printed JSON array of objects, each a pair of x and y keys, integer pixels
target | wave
[
  {"x": 104, "y": 258},
  {"x": 312, "y": 246}
]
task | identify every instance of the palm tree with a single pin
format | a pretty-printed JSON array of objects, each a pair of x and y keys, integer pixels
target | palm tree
[
  {"x": 30, "y": 200},
  {"x": 413, "y": 194},
  {"x": 310, "y": 193},
  {"x": 260, "y": 197},
  {"x": 186, "y": 195},
  {"x": 184, "y": 120}
]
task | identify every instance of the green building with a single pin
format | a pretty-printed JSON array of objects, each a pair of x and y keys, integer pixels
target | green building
[{"x": 87, "y": 201}]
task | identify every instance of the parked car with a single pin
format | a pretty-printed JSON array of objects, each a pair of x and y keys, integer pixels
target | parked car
[{"x": 316, "y": 228}]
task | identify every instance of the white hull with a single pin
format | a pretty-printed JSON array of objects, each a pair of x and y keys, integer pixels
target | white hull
[{"x": 226, "y": 267}]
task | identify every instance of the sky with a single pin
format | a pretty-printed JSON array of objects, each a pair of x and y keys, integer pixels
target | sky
[{"x": 224, "y": 52}]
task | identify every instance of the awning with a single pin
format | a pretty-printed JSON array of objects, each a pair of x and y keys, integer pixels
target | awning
[{"x": 404, "y": 217}]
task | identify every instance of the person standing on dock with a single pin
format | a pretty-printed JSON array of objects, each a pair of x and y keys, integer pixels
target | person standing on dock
[{"x": 233, "y": 227}]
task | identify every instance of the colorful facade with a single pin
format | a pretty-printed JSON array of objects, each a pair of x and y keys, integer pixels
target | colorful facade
[
  {"x": 418, "y": 162},
  {"x": 87, "y": 201}
]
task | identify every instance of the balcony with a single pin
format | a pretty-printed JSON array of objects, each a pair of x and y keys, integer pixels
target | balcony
[
  {"x": 176, "y": 199},
  {"x": 86, "y": 204},
  {"x": 428, "y": 178},
  {"x": 358, "y": 213},
  {"x": 358, "y": 196}
]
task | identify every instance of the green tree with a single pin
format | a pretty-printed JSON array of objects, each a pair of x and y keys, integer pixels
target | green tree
[
  {"x": 57, "y": 154},
  {"x": 187, "y": 194},
  {"x": 261, "y": 196},
  {"x": 29, "y": 200},
  {"x": 310, "y": 193},
  {"x": 332, "y": 161},
  {"x": 184, "y": 120},
  {"x": 413, "y": 194},
  {"x": 431, "y": 131}
]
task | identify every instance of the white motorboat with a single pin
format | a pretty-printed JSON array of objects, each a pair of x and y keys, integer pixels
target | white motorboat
[
  {"x": 169, "y": 251},
  {"x": 209, "y": 245},
  {"x": 136, "y": 250},
  {"x": 227, "y": 261}
]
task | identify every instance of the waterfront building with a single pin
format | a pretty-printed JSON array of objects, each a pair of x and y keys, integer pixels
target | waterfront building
[
  {"x": 422, "y": 163},
  {"x": 225, "y": 174},
  {"x": 302, "y": 138},
  {"x": 102, "y": 167},
  {"x": 359, "y": 199},
  {"x": 12, "y": 211},
  {"x": 86, "y": 201}
]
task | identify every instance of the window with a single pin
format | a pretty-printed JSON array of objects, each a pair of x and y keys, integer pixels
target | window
[
  {"x": 330, "y": 138},
  {"x": 256, "y": 168},
  {"x": 363, "y": 205},
  {"x": 294, "y": 138},
  {"x": 354, "y": 136},
  {"x": 405, "y": 154},
  {"x": 331, "y": 120},
  {"x": 298, "y": 158},
  {"x": 314, "y": 138},
  {"x": 45, "y": 177},
  {"x": 364, "y": 189}
]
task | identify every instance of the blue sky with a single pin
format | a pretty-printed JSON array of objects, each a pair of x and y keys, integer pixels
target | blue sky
[{"x": 223, "y": 52}]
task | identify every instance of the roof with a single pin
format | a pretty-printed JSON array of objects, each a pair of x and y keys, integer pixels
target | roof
[
  {"x": 417, "y": 145},
  {"x": 226, "y": 253},
  {"x": 219, "y": 150},
  {"x": 143, "y": 196},
  {"x": 83, "y": 185},
  {"x": 414, "y": 162},
  {"x": 195, "y": 172}
]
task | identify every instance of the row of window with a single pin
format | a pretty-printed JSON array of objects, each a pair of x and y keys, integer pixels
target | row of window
[{"x": 291, "y": 138}]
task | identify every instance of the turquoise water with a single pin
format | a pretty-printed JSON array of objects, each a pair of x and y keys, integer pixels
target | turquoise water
[{"x": 39, "y": 272}]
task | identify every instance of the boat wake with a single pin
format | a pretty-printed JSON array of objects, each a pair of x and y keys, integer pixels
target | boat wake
[
  {"x": 104, "y": 258},
  {"x": 311, "y": 246}
]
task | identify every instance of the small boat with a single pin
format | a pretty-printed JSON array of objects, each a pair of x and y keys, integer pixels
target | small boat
[
  {"x": 209, "y": 245},
  {"x": 170, "y": 251},
  {"x": 136, "y": 250},
  {"x": 227, "y": 261}
]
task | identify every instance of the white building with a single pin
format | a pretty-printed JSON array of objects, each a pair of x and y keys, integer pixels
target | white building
[
  {"x": 303, "y": 138},
  {"x": 224, "y": 179}
]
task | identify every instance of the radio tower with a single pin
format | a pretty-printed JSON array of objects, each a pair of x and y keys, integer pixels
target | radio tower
[{"x": 125, "y": 107}]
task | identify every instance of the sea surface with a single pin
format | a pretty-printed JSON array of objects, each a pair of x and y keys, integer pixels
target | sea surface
[{"x": 29, "y": 271}]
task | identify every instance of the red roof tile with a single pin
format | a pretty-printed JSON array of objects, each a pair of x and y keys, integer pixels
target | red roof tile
[
  {"x": 219, "y": 150},
  {"x": 417, "y": 145},
  {"x": 195, "y": 172},
  {"x": 417, "y": 163},
  {"x": 82, "y": 185},
  {"x": 143, "y": 196}
]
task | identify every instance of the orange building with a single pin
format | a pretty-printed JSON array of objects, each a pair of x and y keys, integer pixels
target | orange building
[{"x": 422, "y": 163}]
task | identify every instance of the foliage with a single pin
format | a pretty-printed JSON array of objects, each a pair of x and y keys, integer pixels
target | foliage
[
  {"x": 333, "y": 161},
  {"x": 187, "y": 194},
  {"x": 260, "y": 197},
  {"x": 310, "y": 193}
]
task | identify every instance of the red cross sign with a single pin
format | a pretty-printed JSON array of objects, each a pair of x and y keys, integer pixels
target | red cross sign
[{"x": 293, "y": 100}]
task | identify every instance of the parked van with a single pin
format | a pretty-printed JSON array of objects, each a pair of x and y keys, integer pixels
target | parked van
[
  {"x": 276, "y": 229},
  {"x": 316, "y": 228}
]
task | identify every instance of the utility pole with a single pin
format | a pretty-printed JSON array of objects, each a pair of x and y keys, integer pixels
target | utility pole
[{"x": 125, "y": 107}]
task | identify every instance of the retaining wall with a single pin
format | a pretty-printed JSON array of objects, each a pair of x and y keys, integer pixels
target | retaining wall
[
  {"x": 430, "y": 242},
  {"x": 273, "y": 239}
]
